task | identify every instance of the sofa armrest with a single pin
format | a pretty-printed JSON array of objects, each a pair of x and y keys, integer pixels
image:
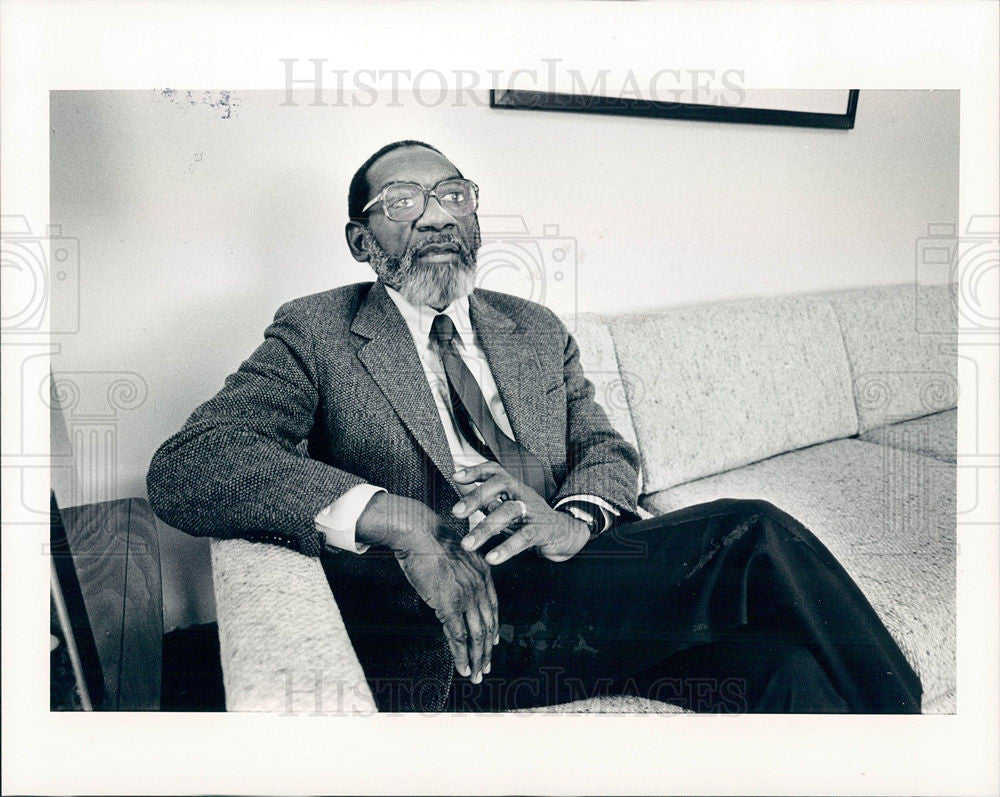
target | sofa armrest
[{"x": 283, "y": 643}]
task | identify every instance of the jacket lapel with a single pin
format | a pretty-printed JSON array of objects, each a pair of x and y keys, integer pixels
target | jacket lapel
[
  {"x": 392, "y": 361},
  {"x": 516, "y": 370}
]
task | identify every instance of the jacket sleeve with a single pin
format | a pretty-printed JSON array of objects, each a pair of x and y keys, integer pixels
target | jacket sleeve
[
  {"x": 234, "y": 470},
  {"x": 600, "y": 461}
]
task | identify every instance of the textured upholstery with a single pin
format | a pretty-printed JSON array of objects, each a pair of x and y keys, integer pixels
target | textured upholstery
[
  {"x": 887, "y": 515},
  {"x": 610, "y": 704},
  {"x": 600, "y": 366},
  {"x": 727, "y": 384},
  {"x": 281, "y": 634},
  {"x": 933, "y": 435},
  {"x": 901, "y": 345},
  {"x": 943, "y": 704}
]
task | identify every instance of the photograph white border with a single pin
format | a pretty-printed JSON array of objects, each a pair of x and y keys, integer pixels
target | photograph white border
[{"x": 892, "y": 45}]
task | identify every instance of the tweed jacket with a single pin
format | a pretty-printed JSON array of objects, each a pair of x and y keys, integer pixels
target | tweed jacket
[{"x": 339, "y": 372}]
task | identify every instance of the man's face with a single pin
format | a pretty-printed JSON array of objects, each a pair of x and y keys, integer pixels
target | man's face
[{"x": 431, "y": 260}]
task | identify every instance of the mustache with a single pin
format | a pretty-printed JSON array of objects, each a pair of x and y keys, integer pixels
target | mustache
[{"x": 438, "y": 239}]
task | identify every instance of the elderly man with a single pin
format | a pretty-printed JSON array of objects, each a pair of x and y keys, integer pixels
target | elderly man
[{"x": 475, "y": 511}]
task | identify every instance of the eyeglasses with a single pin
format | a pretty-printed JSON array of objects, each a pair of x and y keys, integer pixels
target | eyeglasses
[{"x": 407, "y": 201}]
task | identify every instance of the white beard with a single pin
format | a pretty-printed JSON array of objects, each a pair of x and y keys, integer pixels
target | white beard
[{"x": 436, "y": 285}]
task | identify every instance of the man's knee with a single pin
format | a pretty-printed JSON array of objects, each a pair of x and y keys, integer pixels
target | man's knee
[
  {"x": 766, "y": 508},
  {"x": 750, "y": 507},
  {"x": 772, "y": 522}
]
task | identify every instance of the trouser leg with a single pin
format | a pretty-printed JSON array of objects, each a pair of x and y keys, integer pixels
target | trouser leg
[
  {"x": 649, "y": 590},
  {"x": 745, "y": 673}
]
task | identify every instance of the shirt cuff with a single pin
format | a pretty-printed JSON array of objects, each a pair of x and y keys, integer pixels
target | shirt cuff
[
  {"x": 607, "y": 512},
  {"x": 339, "y": 520}
]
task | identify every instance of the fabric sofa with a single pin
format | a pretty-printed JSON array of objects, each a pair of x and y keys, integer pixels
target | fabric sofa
[{"x": 839, "y": 408}]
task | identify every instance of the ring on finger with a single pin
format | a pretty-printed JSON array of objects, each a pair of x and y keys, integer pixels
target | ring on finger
[
  {"x": 502, "y": 496},
  {"x": 523, "y": 507}
]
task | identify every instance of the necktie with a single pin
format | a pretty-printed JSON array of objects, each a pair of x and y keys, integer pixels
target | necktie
[{"x": 471, "y": 410}]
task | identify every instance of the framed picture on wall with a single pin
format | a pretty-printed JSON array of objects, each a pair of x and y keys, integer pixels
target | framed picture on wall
[{"x": 833, "y": 108}]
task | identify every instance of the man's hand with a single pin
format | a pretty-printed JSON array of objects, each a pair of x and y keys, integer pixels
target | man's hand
[
  {"x": 558, "y": 536},
  {"x": 456, "y": 583}
]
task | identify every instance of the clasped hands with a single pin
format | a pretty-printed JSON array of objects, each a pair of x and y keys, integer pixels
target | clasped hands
[
  {"x": 510, "y": 504},
  {"x": 452, "y": 576}
]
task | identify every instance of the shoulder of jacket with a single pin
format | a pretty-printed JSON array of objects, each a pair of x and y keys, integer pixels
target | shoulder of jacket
[
  {"x": 325, "y": 306},
  {"x": 524, "y": 311}
]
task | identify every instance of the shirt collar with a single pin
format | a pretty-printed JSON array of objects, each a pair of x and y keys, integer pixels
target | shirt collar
[{"x": 419, "y": 319}]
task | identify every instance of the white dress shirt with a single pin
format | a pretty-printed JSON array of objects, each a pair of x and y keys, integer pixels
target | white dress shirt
[{"x": 339, "y": 520}]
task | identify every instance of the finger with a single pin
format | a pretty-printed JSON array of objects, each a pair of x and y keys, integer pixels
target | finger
[
  {"x": 478, "y": 473},
  {"x": 491, "y": 613},
  {"x": 494, "y": 505},
  {"x": 502, "y": 518},
  {"x": 523, "y": 539},
  {"x": 485, "y": 494},
  {"x": 490, "y": 629},
  {"x": 491, "y": 596},
  {"x": 457, "y": 634},
  {"x": 477, "y": 639},
  {"x": 494, "y": 603}
]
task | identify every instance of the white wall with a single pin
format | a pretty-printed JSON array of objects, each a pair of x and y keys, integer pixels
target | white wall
[{"x": 197, "y": 218}]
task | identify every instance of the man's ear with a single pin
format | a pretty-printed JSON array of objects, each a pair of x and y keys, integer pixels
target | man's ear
[{"x": 356, "y": 241}]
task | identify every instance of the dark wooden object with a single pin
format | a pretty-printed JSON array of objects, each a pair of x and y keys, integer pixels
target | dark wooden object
[
  {"x": 75, "y": 679},
  {"x": 115, "y": 552}
]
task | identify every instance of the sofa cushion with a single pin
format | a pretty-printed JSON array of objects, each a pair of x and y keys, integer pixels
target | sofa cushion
[
  {"x": 933, "y": 435},
  {"x": 724, "y": 385},
  {"x": 888, "y": 516},
  {"x": 600, "y": 365},
  {"x": 901, "y": 345},
  {"x": 610, "y": 704}
]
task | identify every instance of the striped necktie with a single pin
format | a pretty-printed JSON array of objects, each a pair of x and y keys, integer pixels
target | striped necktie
[{"x": 473, "y": 415}]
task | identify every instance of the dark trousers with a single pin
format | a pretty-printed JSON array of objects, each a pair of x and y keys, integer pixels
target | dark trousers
[{"x": 729, "y": 606}]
